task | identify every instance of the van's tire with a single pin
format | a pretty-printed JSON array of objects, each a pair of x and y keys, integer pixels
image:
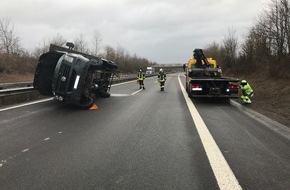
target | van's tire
[
  {"x": 104, "y": 94},
  {"x": 86, "y": 102},
  {"x": 45, "y": 71}
]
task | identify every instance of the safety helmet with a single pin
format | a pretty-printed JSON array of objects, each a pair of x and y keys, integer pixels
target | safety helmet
[
  {"x": 243, "y": 82},
  {"x": 161, "y": 70},
  {"x": 140, "y": 70}
]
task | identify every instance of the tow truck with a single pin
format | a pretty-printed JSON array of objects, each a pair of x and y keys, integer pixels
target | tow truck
[
  {"x": 73, "y": 77},
  {"x": 204, "y": 79}
]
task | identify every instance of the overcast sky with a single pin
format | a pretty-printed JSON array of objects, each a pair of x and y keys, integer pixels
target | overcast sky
[{"x": 164, "y": 31}]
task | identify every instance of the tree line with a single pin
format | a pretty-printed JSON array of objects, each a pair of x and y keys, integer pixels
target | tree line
[
  {"x": 15, "y": 59},
  {"x": 266, "y": 46}
]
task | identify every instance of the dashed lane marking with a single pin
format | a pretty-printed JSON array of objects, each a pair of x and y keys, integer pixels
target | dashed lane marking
[
  {"x": 136, "y": 92},
  {"x": 120, "y": 95},
  {"x": 123, "y": 83},
  {"x": 46, "y": 139},
  {"x": 25, "y": 150},
  {"x": 224, "y": 175}
]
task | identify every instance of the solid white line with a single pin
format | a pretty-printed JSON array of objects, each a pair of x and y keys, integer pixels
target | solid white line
[
  {"x": 136, "y": 92},
  {"x": 224, "y": 175},
  {"x": 26, "y": 104}
]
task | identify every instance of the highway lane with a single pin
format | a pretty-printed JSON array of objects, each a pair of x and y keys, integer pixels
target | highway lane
[
  {"x": 140, "y": 141},
  {"x": 136, "y": 140},
  {"x": 257, "y": 151},
  {"x": 257, "y": 154}
]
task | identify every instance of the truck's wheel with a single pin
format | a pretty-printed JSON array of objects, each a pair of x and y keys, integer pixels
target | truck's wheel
[
  {"x": 86, "y": 102},
  {"x": 103, "y": 94}
]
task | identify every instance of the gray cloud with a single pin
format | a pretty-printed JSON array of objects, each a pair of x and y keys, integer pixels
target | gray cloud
[{"x": 164, "y": 31}]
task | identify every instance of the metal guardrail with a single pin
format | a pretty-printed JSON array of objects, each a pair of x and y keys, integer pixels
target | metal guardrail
[
  {"x": 15, "y": 85},
  {"x": 16, "y": 91},
  {"x": 17, "y": 95}
]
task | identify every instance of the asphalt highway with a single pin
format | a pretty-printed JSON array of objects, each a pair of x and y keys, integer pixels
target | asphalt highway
[{"x": 142, "y": 139}]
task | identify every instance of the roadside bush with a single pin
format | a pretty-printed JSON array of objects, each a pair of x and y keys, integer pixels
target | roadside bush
[
  {"x": 17, "y": 64},
  {"x": 280, "y": 68}
]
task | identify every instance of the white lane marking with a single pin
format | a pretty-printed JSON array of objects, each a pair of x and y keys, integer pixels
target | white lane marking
[
  {"x": 2, "y": 162},
  {"x": 25, "y": 150},
  {"x": 60, "y": 132},
  {"x": 47, "y": 139},
  {"x": 224, "y": 175},
  {"x": 123, "y": 83},
  {"x": 136, "y": 92},
  {"x": 26, "y": 104},
  {"x": 120, "y": 95},
  {"x": 49, "y": 99},
  {"x": 155, "y": 81}
]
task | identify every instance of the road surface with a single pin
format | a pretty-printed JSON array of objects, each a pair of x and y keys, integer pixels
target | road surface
[{"x": 142, "y": 139}]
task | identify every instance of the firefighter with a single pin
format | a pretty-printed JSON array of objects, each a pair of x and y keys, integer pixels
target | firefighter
[
  {"x": 141, "y": 78},
  {"x": 161, "y": 79},
  {"x": 247, "y": 92}
]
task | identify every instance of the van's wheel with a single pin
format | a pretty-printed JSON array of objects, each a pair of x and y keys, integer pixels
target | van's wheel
[
  {"x": 104, "y": 94},
  {"x": 86, "y": 102}
]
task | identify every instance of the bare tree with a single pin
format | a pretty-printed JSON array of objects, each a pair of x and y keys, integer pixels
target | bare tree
[
  {"x": 9, "y": 41},
  {"x": 40, "y": 49},
  {"x": 212, "y": 50},
  {"x": 81, "y": 44},
  {"x": 229, "y": 49},
  {"x": 110, "y": 53},
  {"x": 275, "y": 23},
  {"x": 58, "y": 40},
  {"x": 286, "y": 17},
  {"x": 96, "y": 43}
]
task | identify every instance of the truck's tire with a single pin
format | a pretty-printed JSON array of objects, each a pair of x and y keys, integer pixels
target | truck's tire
[
  {"x": 109, "y": 65},
  {"x": 103, "y": 94},
  {"x": 45, "y": 71},
  {"x": 86, "y": 102},
  {"x": 95, "y": 65}
]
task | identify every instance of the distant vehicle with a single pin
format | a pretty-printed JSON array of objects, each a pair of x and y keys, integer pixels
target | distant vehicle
[
  {"x": 149, "y": 70},
  {"x": 204, "y": 78},
  {"x": 73, "y": 77}
]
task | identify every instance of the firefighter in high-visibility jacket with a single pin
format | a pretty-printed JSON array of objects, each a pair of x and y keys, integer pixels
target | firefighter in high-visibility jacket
[
  {"x": 141, "y": 78},
  {"x": 247, "y": 92},
  {"x": 161, "y": 79}
]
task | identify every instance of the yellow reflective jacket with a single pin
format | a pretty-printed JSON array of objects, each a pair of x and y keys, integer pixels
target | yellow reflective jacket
[
  {"x": 140, "y": 76},
  {"x": 247, "y": 88}
]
